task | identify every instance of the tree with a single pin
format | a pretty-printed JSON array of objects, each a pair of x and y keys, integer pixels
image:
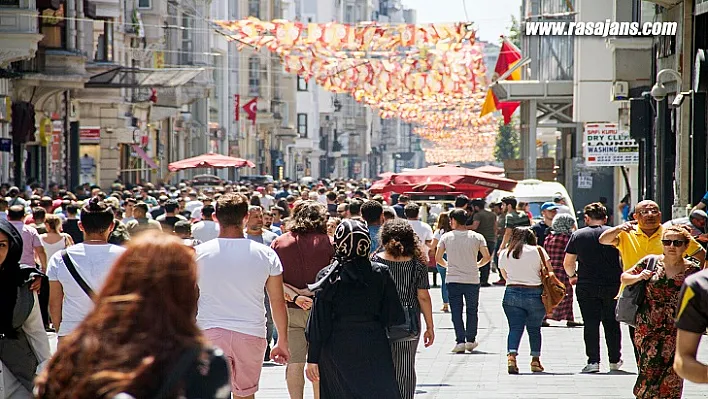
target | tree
[
  {"x": 515, "y": 32},
  {"x": 507, "y": 143}
]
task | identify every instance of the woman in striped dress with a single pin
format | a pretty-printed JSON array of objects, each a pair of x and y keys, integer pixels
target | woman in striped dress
[
  {"x": 554, "y": 244},
  {"x": 401, "y": 253}
]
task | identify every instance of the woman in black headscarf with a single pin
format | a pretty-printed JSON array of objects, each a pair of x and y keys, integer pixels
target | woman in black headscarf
[
  {"x": 349, "y": 352},
  {"x": 23, "y": 342}
]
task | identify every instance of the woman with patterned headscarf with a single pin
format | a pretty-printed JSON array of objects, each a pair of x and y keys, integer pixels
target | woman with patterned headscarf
[
  {"x": 555, "y": 243},
  {"x": 349, "y": 352}
]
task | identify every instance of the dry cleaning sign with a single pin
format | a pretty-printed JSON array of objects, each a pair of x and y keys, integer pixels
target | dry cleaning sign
[{"x": 605, "y": 145}]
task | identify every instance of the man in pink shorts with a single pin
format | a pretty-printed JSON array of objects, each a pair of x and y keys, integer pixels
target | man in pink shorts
[{"x": 232, "y": 273}]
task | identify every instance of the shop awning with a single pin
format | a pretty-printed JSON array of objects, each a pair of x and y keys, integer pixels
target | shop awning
[{"x": 127, "y": 77}]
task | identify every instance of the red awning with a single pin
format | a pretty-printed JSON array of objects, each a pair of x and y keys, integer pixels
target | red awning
[
  {"x": 490, "y": 169},
  {"x": 210, "y": 160}
]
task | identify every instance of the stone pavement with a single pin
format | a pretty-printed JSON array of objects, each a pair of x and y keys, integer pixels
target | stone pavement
[{"x": 443, "y": 375}]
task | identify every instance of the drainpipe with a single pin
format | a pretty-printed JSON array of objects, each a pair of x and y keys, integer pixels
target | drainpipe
[
  {"x": 80, "y": 26},
  {"x": 71, "y": 25},
  {"x": 290, "y": 157}
]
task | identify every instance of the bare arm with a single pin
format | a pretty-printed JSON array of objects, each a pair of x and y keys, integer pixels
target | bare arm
[
  {"x": 439, "y": 257},
  {"x": 56, "y": 302},
  {"x": 475, "y": 225},
  {"x": 41, "y": 255},
  {"x": 426, "y": 307},
  {"x": 274, "y": 286},
  {"x": 569, "y": 264},
  {"x": 505, "y": 240},
  {"x": 685, "y": 363},
  {"x": 486, "y": 256},
  {"x": 628, "y": 278},
  {"x": 611, "y": 236}
]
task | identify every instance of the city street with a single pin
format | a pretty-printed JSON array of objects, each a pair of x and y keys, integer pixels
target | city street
[{"x": 443, "y": 375}]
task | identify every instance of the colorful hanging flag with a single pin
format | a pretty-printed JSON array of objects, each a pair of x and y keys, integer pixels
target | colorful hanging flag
[
  {"x": 237, "y": 107},
  {"x": 251, "y": 109},
  {"x": 509, "y": 55}
]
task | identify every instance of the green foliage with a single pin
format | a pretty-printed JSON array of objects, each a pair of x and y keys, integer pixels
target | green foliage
[
  {"x": 507, "y": 144},
  {"x": 515, "y": 32}
]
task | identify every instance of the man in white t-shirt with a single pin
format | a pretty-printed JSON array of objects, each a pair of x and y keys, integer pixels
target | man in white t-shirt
[
  {"x": 233, "y": 271},
  {"x": 462, "y": 247},
  {"x": 422, "y": 230},
  {"x": 207, "y": 229},
  {"x": 92, "y": 259}
]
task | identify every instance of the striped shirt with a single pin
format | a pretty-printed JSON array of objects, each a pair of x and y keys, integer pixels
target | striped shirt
[{"x": 409, "y": 276}]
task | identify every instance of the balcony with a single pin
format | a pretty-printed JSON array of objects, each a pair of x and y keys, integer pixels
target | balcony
[{"x": 19, "y": 33}]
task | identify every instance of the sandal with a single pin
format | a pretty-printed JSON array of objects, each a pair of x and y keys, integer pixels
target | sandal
[
  {"x": 511, "y": 364},
  {"x": 536, "y": 366},
  {"x": 445, "y": 308}
]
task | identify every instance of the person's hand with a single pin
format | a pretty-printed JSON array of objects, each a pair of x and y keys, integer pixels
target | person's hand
[
  {"x": 305, "y": 292},
  {"x": 312, "y": 370},
  {"x": 429, "y": 336},
  {"x": 280, "y": 353},
  {"x": 36, "y": 284},
  {"x": 702, "y": 238},
  {"x": 646, "y": 274},
  {"x": 304, "y": 302},
  {"x": 574, "y": 280},
  {"x": 627, "y": 227}
]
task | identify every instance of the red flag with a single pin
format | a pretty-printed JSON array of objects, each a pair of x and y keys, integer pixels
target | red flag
[
  {"x": 509, "y": 55},
  {"x": 251, "y": 109},
  {"x": 237, "y": 107}
]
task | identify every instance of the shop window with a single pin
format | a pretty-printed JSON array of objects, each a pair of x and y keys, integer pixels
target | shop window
[
  {"x": 302, "y": 125},
  {"x": 103, "y": 40}
]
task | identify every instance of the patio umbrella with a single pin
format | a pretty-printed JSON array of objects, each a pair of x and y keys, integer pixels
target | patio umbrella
[
  {"x": 210, "y": 160},
  {"x": 490, "y": 169}
]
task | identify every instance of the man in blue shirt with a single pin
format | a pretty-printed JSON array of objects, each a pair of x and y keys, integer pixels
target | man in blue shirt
[{"x": 372, "y": 213}]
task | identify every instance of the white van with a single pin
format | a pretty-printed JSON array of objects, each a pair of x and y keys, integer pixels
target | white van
[{"x": 535, "y": 193}]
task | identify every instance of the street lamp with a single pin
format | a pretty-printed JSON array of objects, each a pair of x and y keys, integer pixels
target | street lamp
[{"x": 658, "y": 92}]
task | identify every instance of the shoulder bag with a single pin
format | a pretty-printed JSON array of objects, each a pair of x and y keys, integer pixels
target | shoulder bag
[
  {"x": 632, "y": 297},
  {"x": 410, "y": 329},
  {"x": 553, "y": 289},
  {"x": 75, "y": 274}
]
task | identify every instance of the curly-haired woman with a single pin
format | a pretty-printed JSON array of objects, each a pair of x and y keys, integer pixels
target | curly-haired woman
[
  {"x": 141, "y": 339},
  {"x": 304, "y": 250},
  {"x": 402, "y": 256},
  {"x": 655, "y": 331}
]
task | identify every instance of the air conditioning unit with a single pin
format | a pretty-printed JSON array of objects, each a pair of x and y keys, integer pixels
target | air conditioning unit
[{"x": 620, "y": 91}]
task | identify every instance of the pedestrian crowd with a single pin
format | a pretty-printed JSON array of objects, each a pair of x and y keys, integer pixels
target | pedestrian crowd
[{"x": 182, "y": 291}]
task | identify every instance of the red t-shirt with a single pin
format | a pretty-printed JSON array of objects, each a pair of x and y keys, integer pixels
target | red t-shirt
[{"x": 303, "y": 256}]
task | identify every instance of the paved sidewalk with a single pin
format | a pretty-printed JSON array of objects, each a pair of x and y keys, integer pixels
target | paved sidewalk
[{"x": 443, "y": 375}]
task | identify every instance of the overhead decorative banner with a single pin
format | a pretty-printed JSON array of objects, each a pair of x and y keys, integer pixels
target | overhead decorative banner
[
  {"x": 429, "y": 75},
  {"x": 605, "y": 145}
]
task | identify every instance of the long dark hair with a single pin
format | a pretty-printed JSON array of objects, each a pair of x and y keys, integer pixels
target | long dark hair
[
  {"x": 143, "y": 321},
  {"x": 399, "y": 239},
  {"x": 520, "y": 236},
  {"x": 444, "y": 222}
]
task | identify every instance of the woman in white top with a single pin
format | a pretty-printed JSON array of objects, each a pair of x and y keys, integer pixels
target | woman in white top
[
  {"x": 54, "y": 240},
  {"x": 520, "y": 264},
  {"x": 443, "y": 227}
]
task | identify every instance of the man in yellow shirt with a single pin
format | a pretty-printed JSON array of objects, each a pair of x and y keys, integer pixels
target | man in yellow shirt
[{"x": 641, "y": 238}]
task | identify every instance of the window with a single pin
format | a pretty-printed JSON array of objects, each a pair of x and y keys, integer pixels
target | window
[
  {"x": 103, "y": 40},
  {"x": 254, "y": 8},
  {"x": 302, "y": 125},
  {"x": 144, "y": 3},
  {"x": 301, "y": 84},
  {"x": 254, "y": 80},
  {"x": 187, "y": 50}
]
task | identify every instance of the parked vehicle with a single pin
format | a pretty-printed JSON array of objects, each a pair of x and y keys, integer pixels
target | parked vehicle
[
  {"x": 257, "y": 180},
  {"x": 535, "y": 193},
  {"x": 200, "y": 181}
]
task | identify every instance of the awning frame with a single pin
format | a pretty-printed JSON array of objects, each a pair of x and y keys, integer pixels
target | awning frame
[{"x": 130, "y": 78}]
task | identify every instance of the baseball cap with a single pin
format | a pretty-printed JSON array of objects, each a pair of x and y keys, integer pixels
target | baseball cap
[
  {"x": 698, "y": 213},
  {"x": 549, "y": 206}
]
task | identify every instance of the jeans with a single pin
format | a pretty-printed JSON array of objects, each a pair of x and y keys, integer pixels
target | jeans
[
  {"x": 597, "y": 305},
  {"x": 470, "y": 292},
  {"x": 443, "y": 286},
  {"x": 524, "y": 309}
]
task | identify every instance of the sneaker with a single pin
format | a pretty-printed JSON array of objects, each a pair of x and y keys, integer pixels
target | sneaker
[
  {"x": 471, "y": 346},
  {"x": 591, "y": 368},
  {"x": 616, "y": 366},
  {"x": 459, "y": 348}
]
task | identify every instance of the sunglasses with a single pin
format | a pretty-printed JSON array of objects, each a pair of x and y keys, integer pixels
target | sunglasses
[
  {"x": 675, "y": 243},
  {"x": 645, "y": 212}
]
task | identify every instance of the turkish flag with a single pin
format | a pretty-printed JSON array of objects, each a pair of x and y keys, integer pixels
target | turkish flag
[
  {"x": 251, "y": 109},
  {"x": 237, "y": 107}
]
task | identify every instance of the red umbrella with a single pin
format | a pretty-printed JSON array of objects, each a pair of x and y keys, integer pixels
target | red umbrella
[
  {"x": 210, "y": 160},
  {"x": 490, "y": 169}
]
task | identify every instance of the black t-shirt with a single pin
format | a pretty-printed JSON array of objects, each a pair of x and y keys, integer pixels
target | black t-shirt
[
  {"x": 597, "y": 264},
  {"x": 541, "y": 229},
  {"x": 71, "y": 227},
  {"x": 157, "y": 212},
  {"x": 692, "y": 313},
  {"x": 332, "y": 210}
]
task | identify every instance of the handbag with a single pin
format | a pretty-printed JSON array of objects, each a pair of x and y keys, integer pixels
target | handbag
[
  {"x": 632, "y": 297},
  {"x": 410, "y": 329},
  {"x": 75, "y": 274},
  {"x": 553, "y": 289}
]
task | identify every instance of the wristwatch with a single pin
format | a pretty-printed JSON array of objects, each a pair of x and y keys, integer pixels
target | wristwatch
[{"x": 295, "y": 297}]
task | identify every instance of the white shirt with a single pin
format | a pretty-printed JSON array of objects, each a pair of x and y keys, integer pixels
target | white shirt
[
  {"x": 526, "y": 270},
  {"x": 267, "y": 201},
  {"x": 205, "y": 230},
  {"x": 424, "y": 232},
  {"x": 93, "y": 262},
  {"x": 322, "y": 199},
  {"x": 232, "y": 275},
  {"x": 192, "y": 205}
]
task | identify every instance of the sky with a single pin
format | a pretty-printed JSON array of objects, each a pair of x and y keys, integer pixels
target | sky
[{"x": 492, "y": 17}]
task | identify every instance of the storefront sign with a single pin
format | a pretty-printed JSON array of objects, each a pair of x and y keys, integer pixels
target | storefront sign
[
  {"x": 90, "y": 135},
  {"x": 605, "y": 145},
  {"x": 5, "y": 145}
]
